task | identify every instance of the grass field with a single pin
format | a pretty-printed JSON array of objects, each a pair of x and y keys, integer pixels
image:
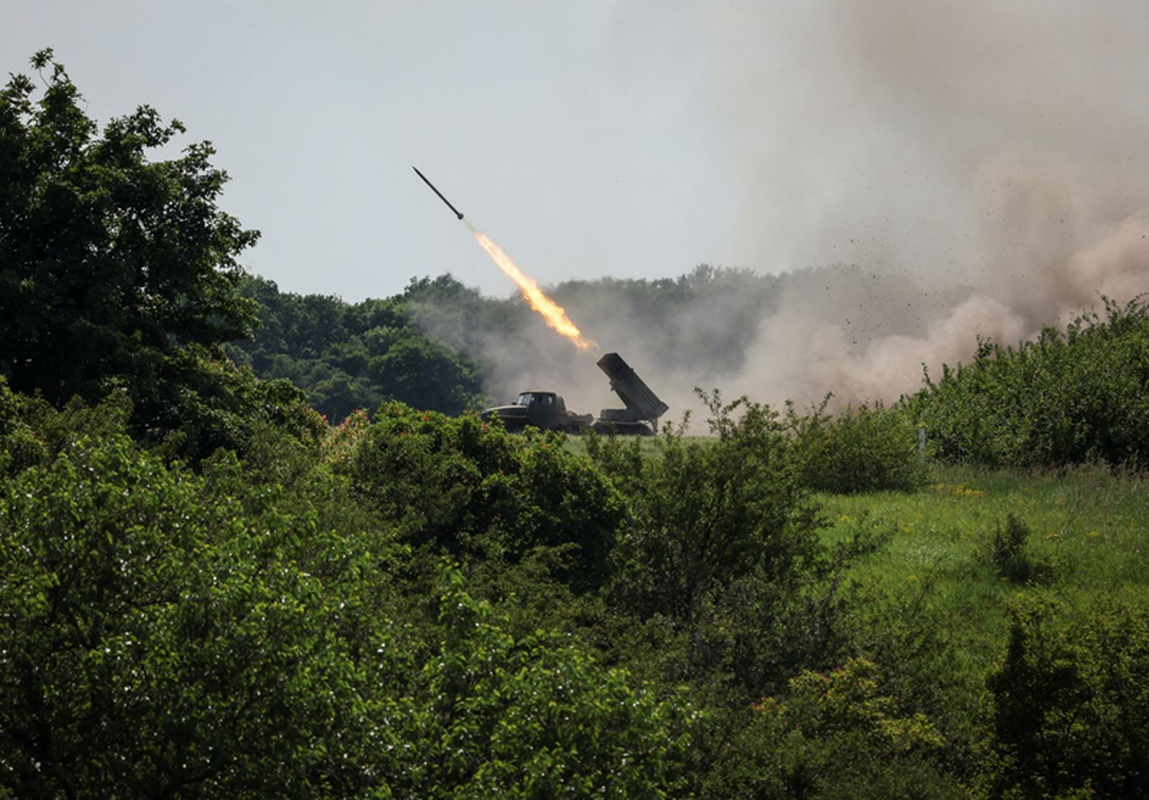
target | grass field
[
  {"x": 1089, "y": 528},
  {"x": 1088, "y": 537}
]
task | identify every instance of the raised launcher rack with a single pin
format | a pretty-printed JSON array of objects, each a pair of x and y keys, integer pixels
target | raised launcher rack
[{"x": 642, "y": 405}]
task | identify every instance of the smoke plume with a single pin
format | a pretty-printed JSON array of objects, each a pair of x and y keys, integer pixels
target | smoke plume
[
  {"x": 961, "y": 169},
  {"x": 990, "y": 145}
]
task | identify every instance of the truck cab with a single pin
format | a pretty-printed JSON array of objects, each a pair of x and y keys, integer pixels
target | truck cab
[{"x": 545, "y": 410}]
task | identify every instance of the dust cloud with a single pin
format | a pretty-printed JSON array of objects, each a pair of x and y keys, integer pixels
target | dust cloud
[
  {"x": 979, "y": 144},
  {"x": 958, "y": 169}
]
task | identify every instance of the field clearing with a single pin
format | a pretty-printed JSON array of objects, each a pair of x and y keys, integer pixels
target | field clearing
[{"x": 1090, "y": 527}]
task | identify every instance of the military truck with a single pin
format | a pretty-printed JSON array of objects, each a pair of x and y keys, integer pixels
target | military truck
[
  {"x": 548, "y": 411},
  {"x": 545, "y": 410}
]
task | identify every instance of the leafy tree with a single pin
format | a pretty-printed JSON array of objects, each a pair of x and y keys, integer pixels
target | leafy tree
[
  {"x": 158, "y": 640},
  {"x": 207, "y": 402},
  {"x": 111, "y": 266},
  {"x": 347, "y": 357},
  {"x": 463, "y": 487},
  {"x": 1071, "y": 704},
  {"x": 533, "y": 717},
  {"x": 416, "y": 370},
  {"x": 20, "y": 446}
]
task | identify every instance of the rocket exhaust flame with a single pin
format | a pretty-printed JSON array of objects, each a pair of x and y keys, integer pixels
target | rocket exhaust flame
[
  {"x": 555, "y": 316},
  {"x": 553, "y": 313}
]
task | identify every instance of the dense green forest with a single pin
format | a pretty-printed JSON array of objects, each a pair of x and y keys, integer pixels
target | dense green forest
[
  {"x": 349, "y": 357},
  {"x": 209, "y": 590}
]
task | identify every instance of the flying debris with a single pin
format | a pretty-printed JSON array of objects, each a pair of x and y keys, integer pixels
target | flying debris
[{"x": 458, "y": 213}]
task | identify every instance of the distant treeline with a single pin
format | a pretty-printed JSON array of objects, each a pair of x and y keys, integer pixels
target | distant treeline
[
  {"x": 358, "y": 356},
  {"x": 425, "y": 347},
  {"x": 443, "y": 346}
]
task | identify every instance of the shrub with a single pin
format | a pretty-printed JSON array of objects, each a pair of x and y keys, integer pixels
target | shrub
[
  {"x": 158, "y": 640},
  {"x": 1067, "y": 397},
  {"x": 534, "y": 716},
  {"x": 704, "y": 514},
  {"x": 1006, "y": 551},
  {"x": 1070, "y": 704},
  {"x": 463, "y": 487},
  {"x": 176, "y": 634},
  {"x": 718, "y": 576},
  {"x": 862, "y": 449},
  {"x": 834, "y": 734}
]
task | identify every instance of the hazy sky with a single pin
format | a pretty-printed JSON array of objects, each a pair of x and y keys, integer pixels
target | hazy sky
[
  {"x": 639, "y": 138},
  {"x": 582, "y": 144}
]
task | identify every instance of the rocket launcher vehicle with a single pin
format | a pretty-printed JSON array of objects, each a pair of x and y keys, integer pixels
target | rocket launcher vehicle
[
  {"x": 548, "y": 411},
  {"x": 642, "y": 405}
]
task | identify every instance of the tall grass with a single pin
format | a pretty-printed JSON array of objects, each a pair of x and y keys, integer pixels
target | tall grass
[{"x": 1088, "y": 526}]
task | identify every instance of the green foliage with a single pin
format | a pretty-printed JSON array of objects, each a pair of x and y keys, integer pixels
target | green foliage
[
  {"x": 1071, "y": 704},
  {"x": 158, "y": 640},
  {"x": 1066, "y": 398},
  {"x": 205, "y": 635},
  {"x": 212, "y": 404},
  {"x": 347, "y": 357},
  {"x": 863, "y": 449},
  {"x": 121, "y": 275},
  {"x": 204, "y": 402},
  {"x": 834, "y": 734},
  {"x": 1006, "y": 551},
  {"x": 718, "y": 576},
  {"x": 110, "y": 265},
  {"x": 206, "y": 591},
  {"x": 533, "y": 717},
  {"x": 461, "y": 486},
  {"x": 704, "y": 515},
  {"x": 20, "y": 447},
  {"x": 911, "y": 633}
]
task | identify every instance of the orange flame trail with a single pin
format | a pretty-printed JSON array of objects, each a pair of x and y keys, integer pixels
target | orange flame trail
[{"x": 553, "y": 313}]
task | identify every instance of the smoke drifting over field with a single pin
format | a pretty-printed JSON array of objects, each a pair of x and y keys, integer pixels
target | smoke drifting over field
[{"x": 980, "y": 166}]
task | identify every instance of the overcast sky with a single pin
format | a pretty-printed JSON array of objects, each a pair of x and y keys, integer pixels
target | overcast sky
[
  {"x": 631, "y": 139},
  {"x": 582, "y": 144}
]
